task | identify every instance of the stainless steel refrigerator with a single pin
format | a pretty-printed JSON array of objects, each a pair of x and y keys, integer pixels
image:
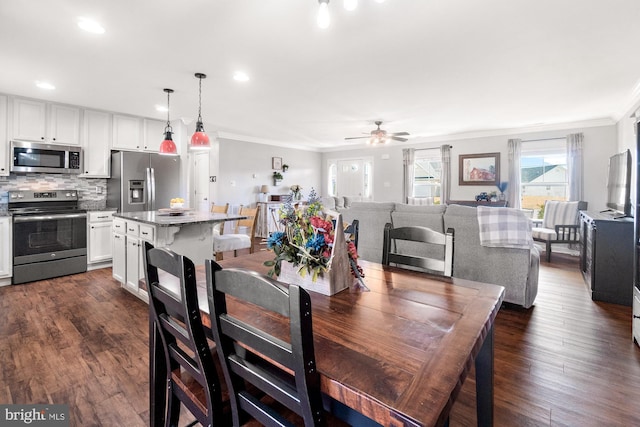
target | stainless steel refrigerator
[{"x": 142, "y": 181}]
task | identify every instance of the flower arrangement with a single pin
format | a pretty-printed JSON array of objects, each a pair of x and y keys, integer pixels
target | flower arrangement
[{"x": 307, "y": 241}]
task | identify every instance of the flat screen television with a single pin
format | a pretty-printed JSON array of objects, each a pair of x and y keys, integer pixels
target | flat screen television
[{"x": 619, "y": 183}]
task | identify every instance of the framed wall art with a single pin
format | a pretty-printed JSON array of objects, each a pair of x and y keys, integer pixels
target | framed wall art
[
  {"x": 479, "y": 169},
  {"x": 276, "y": 163}
]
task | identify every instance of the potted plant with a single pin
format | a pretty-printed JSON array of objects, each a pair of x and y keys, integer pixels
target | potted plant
[
  {"x": 277, "y": 177},
  {"x": 285, "y": 167}
]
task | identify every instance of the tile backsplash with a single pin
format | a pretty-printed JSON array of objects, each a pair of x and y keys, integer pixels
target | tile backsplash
[{"x": 87, "y": 188}]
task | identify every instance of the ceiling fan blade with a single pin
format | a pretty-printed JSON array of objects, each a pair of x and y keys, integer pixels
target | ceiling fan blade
[
  {"x": 395, "y": 138},
  {"x": 358, "y": 137},
  {"x": 398, "y": 133}
]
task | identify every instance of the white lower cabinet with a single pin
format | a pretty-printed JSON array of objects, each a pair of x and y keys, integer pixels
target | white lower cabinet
[
  {"x": 100, "y": 248},
  {"x": 128, "y": 262},
  {"x": 6, "y": 261}
]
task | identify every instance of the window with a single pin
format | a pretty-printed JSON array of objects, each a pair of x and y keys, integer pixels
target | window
[
  {"x": 543, "y": 173},
  {"x": 427, "y": 173}
]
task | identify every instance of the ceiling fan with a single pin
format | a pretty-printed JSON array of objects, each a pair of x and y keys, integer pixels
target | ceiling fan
[{"x": 380, "y": 136}]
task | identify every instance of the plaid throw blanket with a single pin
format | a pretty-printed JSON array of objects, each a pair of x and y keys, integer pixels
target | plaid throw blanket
[{"x": 504, "y": 228}]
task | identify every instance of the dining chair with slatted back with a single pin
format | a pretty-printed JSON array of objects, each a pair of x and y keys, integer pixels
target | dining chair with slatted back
[
  {"x": 419, "y": 248},
  {"x": 283, "y": 367},
  {"x": 191, "y": 376},
  {"x": 219, "y": 227},
  {"x": 238, "y": 240},
  {"x": 219, "y": 208}
]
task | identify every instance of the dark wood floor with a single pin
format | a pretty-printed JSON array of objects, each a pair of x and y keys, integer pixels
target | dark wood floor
[{"x": 82, "y": 340}]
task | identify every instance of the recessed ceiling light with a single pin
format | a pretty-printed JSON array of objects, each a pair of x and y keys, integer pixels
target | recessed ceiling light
[
  {"x": 162, "y": 108},
  {"x": 90, "y": 25},
  {"x": 240, "y": 76},
  {"x": 45, "y": 85}
]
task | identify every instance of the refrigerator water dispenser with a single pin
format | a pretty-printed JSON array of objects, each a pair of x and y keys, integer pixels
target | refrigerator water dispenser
[{"x": 136, "y": 191}]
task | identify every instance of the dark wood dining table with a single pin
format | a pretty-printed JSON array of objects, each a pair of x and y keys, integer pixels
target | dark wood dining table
[{"x": 397, "y": 353}]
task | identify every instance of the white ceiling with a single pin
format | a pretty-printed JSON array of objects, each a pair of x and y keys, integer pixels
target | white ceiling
[{"x": 428, "y": 67}]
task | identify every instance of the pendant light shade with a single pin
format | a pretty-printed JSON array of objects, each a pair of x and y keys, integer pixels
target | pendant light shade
[
  {"x": 200, "y": 140},
  {"x": 168, "y": 147}
]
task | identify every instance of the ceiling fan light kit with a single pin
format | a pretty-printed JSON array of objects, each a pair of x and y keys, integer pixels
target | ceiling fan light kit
[
  {"x": 199, "y": 139},
  {"x": 379, "y": 136},
  {"x": 168, "y": 147}
]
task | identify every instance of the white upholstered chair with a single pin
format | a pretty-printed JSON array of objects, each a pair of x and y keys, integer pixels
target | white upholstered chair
[
  {"x": 559, "y": 224},
  {"x": 238, "y": 240}
]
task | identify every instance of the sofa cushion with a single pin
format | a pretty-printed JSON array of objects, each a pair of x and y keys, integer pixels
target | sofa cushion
[
  {"x": 328, "y": 202},
  {"x": 425, "y": 216},
  {"x": 350, "y": 200},
  {"x": 372, "y": 217}
]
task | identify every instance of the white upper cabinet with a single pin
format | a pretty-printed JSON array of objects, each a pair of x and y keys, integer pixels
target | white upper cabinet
[
  {"x": 4, "y": 143},
  {"x": 153, "y": 134},
  {"x": 127, "y": 133},
  {"x": 64, "y": 124},
  {"x": 96, "y": 141},
  {"x": 42, "y": 122},
  {"x": 29, "y": 120}
]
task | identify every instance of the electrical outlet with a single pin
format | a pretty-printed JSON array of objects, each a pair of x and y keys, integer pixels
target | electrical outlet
[{"x": 98, "y": 189}]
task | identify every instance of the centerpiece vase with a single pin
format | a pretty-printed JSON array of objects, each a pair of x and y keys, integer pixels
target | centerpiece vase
[{"x": 333, "y": 281}]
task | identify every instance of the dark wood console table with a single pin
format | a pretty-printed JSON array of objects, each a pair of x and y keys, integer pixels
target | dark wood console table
[
  {"x": 498, "y": 204},
  {"x": 606, "y": 256}
]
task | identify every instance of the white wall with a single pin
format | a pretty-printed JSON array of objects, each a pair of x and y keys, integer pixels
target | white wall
[
  {"x": 239, "y": 161},
  {"x": 627, "y": 140},
  {"x": 599, "y": 144}
]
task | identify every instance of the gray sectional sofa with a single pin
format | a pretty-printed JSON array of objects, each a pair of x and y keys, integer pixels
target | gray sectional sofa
[{"x": 515, "y": 269}]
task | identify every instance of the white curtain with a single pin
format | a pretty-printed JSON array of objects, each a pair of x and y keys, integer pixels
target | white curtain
[
  {"x": 445, "y": 179},
  {"x": 575, "y": 166},
  {"x": 408, "y": 161},
  {"x": 513, "y": 189}
]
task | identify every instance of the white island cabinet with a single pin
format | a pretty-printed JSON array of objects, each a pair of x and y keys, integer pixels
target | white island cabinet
[
  {"x": 190, "y": 234},
  {"x": 6, "y": 260}
]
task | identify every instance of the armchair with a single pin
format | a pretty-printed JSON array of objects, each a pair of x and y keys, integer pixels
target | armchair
[{"x": 559, "y": 224}]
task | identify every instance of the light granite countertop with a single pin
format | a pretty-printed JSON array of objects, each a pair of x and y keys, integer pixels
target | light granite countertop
[{"x": 163, "y": 219}]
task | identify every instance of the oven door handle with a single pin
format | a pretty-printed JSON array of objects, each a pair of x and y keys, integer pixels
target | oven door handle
[{"x": 32, "y": 218}]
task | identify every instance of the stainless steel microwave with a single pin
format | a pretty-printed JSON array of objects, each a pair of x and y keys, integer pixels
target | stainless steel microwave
[{"x": 49, "y": 158}]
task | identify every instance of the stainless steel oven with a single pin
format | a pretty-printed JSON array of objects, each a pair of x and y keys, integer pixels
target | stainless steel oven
[{"x": 49, "y": 234}]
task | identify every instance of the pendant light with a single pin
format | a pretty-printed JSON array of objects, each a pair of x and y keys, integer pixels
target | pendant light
[
  {"x": 200, "y": 140},
  {"x": 168, "y": 147}
]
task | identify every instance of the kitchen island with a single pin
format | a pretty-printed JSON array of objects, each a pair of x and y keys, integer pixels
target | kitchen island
[{"x": 188, "y": 233}]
